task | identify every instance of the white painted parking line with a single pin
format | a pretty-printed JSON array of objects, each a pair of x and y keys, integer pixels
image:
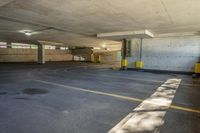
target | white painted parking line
[{"x": 149, "y": 115}]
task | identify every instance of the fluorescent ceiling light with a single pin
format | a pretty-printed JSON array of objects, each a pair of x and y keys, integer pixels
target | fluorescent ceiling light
[
  {"x": 97, "y": 48},
  {"x": 24, "y": 31},
  {"x": 103, "y": 45},
  {"x": 28, "y": 33}
]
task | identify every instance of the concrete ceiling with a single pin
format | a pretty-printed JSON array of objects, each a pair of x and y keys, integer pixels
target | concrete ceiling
[{"x": 77, "y": 22}]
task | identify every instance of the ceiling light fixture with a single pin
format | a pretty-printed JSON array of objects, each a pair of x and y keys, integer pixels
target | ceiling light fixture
[
  {"x": 103, "y": 45},
  {"x": 96, "y": 48},
  {"x": 28, "y": 33}
]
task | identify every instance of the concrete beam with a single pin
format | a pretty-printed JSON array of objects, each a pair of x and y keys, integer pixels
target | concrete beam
[
  {"x": 126, "y": 34},
  {"x": 9, "y": 44},
  {"x": 182, "y": 34}
]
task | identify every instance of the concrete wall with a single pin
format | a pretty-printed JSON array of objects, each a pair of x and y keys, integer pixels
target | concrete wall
[
  {"x": 83, "y": 53},
  {"x": 30, "y": 55},
  {"x": 172, "y": 53},
  {"x": 58, "y": 55},
  {"x": 107, "y": 57}
]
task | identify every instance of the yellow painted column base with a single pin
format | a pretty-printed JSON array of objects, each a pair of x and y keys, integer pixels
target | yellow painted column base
[
  {"x": 124, "y": 63},
  {"x": 100, "y": 59},
  {"x": 197, "y": 68},
  {"x": 139, "y": 64}
]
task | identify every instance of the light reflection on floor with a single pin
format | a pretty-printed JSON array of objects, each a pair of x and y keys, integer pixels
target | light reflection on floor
[{"x": 149, "y": 115}]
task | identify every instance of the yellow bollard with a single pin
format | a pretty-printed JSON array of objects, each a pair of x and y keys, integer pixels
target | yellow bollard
[
  {"x": 139, "y": 64},
  {"x": 124, "y": 63},
  {"x": 197, "y": 68}
]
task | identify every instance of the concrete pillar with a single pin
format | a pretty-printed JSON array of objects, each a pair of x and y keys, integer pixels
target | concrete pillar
[
  {"x": 124, "y": 61},
  {"x": 92, "y": 57},
  {"x": 139, "y": 64},
  {"x": 9, "y": 44},
  {"x": 57, "y": 47},
  {"x": 41, "y": 54},
  {"x": 141, "y": 43}
]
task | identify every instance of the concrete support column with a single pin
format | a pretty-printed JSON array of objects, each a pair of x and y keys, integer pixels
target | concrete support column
[
  {"x": 9, "y": 44},
  {"x": 141, "y": 43},
  {"x": 41, "y": 54},
  {"x": 124, "y": 62},
  {"x": 139, "y": 64},
  {"x": 57, "y": 47}
]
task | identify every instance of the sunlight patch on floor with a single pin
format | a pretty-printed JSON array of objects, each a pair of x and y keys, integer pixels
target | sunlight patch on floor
[{"x": 149, "y": 115}]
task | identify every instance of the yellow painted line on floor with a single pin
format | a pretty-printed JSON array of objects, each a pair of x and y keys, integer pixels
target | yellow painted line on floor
[
  {"x": 92, "y": 91},
  {"x": 117, "y": 96},
  {"x": 185, "y": 109},
  {"x": 160, "y": 100}
]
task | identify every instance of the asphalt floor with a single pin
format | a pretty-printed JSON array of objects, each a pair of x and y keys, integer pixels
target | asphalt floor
[{"x": 75, "y": 97}]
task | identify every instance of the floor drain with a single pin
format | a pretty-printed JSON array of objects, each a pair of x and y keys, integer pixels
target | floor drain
[
  {"x": 3, "y": 93},
  {"x": 34, "y": 91}
]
